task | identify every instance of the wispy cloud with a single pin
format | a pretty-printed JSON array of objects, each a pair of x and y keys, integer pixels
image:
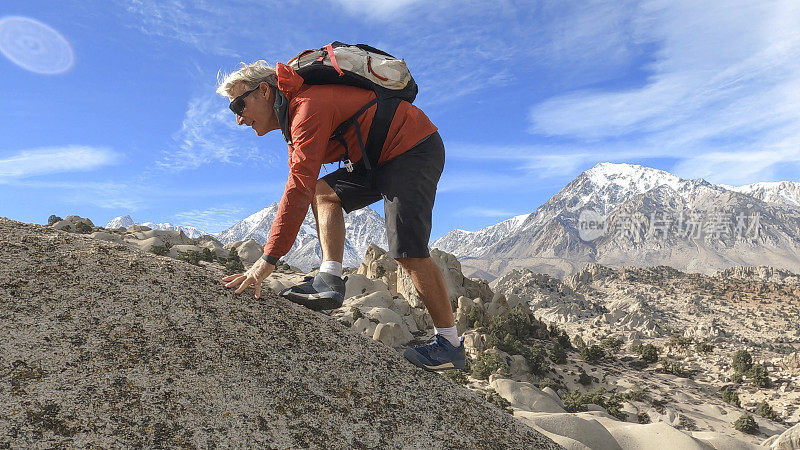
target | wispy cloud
[
  {"x": 209, "y": 134},
  {"x": 103, "y": 194},
  {"x": 721, "y": 95},
  {"x": 50, "y": 160},
  {"x": 210, "y": 219},
  {"x": 377, "y": 9},
  {"x": 486, "y": 212}
]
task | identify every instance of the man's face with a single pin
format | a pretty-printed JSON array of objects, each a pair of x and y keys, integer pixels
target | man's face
[{"x": 257, "y": 113}]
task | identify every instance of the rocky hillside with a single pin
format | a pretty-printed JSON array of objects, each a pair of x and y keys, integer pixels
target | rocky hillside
[{"x": 167, "y": 357}]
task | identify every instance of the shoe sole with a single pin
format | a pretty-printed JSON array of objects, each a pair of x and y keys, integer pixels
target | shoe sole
[
  {"x": 430, "y": 368},
  {"x": 317, "y": 302}
]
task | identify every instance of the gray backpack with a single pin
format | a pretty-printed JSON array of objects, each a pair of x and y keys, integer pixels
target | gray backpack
[{"x": 360, "y": 66}]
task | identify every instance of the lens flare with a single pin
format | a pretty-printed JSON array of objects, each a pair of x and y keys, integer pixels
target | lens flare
[{"x": 34, "y": 46}]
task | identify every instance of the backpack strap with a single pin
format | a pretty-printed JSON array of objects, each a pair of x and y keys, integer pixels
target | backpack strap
[
  {"x": 379, "y": 129},
  {"x": 338, "y": 134},
  {"x": 281, "y": 108}
]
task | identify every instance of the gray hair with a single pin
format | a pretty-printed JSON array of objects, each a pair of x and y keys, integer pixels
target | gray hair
[{"x": 251, "y": 75}]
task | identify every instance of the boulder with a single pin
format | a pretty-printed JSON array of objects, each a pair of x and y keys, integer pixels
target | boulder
[
  {"x": 380, "y": 299},
  {"x": 392, "y": 334},
  {"x": 379, "y": 265},
  {"x": 106, "y": 236},
  {"x": 249, "y": 251},
  {"x": 213, "y": 245},
  {"x": 147, "y": 244},
  {"x": 788, "y": 440},
  {"x": 570, "y": 430},
  {"x": 358, "y": 284}
]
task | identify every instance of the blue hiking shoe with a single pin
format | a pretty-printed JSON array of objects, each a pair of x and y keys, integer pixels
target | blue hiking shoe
[
  {"x": 437, "y": 354},
  {"x": 324, "y": 291}
]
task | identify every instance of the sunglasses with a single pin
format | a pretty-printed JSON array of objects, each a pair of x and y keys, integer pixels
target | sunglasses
[{"x": 237, "y": 105}]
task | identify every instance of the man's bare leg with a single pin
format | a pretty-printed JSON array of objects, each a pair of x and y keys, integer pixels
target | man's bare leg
[
  {"x": 330, "y": 222},
  {"x": 430, "y": 284}
]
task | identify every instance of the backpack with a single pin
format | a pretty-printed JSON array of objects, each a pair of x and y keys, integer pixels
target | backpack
[{"x": 360, "y": 66}]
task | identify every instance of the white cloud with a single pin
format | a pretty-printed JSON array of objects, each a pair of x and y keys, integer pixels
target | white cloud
[
  {"x": 721, "y": 95},
  {"x": 104, "y": 194},
  {"x": 380, "y": 9},
  {"x": 486, "y": 212},
  {"x": 210, "y": 134},
  {"x": 210, "y": 219},
  {"x": 49, "y": 160}
]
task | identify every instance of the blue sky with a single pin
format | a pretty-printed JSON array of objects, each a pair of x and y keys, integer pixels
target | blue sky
[{"x": 108, "y": 107}]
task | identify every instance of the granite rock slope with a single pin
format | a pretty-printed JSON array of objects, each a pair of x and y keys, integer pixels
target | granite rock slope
[{"x": 104, "y": 345}]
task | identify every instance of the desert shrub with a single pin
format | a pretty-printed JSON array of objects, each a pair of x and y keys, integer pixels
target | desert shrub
[
  {"x": 563, "y": 340},
  {"x": 680, "y": 341},
  {"x": 613, "y": 405},
  {"x": 573, "y": 401},
  {"x": 456, "y": 376},
  {"x": 704, "y": 347},
  {"x": 82, "y": 228},
  {"x": 637, "y": 394},
  {"x": 742, "y": 361},
  {"x": 592, "y": 354},
  {"x": 612, "y": 344},
  {"x": 195, "y": 256},
  {"x": 53, "y": 219},
  {"x": 233, "y": 264},
  {"x": 584, "y": 378},
  {"x": 686, "y": 423},
  {"x": 487, "y": 364},
  {"x": 558, "y": 355},
  {"x": 516, "y": 323},
  {"x": 476, "y": 318},
  {"x": 494, "y": 398},
  {"x": 536, "y": 358},
  {"x": 648, "y": 353},
  {"x": 357, "y": 314},
  {"x": 380, "y": 271},
  {"x": 643, "y": 418},
  {"x": 746, "y": 424},
  {"x": 736, "y": 378},
  {"x": 730, "y": 396},
  {"x": 160, "y": 250},
  {"x": 577, "y": 341},
  {"x": 758, "y": 376},
  {"x": 765, "y": 410},
  {"x": 675, "y": 368}
]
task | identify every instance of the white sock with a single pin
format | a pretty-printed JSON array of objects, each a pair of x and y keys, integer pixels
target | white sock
[
  {"x": 331, "y": 267},
  {"x": 450, "y": 334}
]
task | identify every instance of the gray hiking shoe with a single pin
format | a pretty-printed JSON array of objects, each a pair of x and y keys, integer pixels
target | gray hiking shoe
[{"x": 324, "y": 291}]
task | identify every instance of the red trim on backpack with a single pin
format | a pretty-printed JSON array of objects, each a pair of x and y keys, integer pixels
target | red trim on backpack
[
  {"x": 329, "y": 49},
  {"x": 369, "y": 66}
]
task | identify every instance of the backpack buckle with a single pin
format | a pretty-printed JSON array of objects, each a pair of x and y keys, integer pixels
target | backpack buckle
[{"x": 348, "y": 165}]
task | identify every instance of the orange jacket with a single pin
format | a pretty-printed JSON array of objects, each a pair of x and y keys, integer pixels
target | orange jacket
[{"x": 314, "y": 112}]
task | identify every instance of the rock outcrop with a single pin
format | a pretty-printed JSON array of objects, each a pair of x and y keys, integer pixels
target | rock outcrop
[{"x": 167, "y": 357}]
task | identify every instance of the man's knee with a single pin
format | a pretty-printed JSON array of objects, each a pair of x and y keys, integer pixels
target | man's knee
[
  {"x": 413, "y": 263},
  {"x": 324, "y": 194}
]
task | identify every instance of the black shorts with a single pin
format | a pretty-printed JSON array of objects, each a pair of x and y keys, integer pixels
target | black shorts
[{"x": 407, "y": 184}]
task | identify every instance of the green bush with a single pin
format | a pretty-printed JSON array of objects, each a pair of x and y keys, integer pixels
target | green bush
[
  {"x": 53, "y": 219},
  {"x": 704, "y": 347},
  {"x": 736, "y": 378},
  {"x": 357, "y": 314},
  {"x": 758, "y": 375},
  {"x": 675, "y": 368},
  {"x": 233, "y": 264},
  {"x": 487, "y": 364},
  {"x": 584, "y": 378},
  {"x": 730, "y": 396},
  {"x": 742, "y": 361},
  {"x": 494, "y": 398},
  {"x": 746, "y": 424},
  {"x": 637, "y": 393},
  {"x": 765, "y": 410},
  {"x": 643, "y": 418},
  {"x": 516, "y": 323},
  {"x": 476, "y": 318},
  {"x": 536, "y": 358},
  {"x": 455, "y": 375},
  {"x": 612, "y": 344},
  {"x": 160, "y": 250},
  {"x": 573, "y": 401},
  {"x": 563, "y": 340},
  {"x": 195, "y": 256},
  {"x": 592, "y": 354},
  {"x": 558, "y": 355},
  {"x": 577, "y": 342},
  {"x": 649, "y": 353}
]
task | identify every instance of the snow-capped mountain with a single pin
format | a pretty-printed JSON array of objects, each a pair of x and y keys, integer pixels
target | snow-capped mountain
[
  {"x": 624, "y": 214},
  {"x": 362, "y": 228},
  {"x": 126, "y": 221},
  {"x": 475, "y": 243},
  {"x": 779, "y": 192}
]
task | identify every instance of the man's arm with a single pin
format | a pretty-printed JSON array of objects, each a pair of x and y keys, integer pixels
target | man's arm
[{"x": 310, "y": 133}]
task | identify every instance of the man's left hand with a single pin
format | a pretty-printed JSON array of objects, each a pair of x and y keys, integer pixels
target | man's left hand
[{"x": 253, "y": 277}]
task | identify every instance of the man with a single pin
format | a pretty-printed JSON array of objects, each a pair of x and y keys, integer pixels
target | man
[{"x": 409, "y": 167}]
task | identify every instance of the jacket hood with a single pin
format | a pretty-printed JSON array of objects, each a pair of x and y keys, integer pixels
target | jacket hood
[{"x": 289, "y": 82}]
